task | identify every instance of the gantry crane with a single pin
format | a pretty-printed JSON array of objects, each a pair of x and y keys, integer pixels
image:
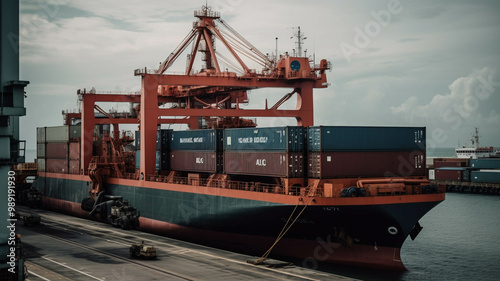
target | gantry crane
[{"x": 211, "y": 92}]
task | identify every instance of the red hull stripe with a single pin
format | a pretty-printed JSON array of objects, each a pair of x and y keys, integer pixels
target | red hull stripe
[{"x": 261, "y": 196}]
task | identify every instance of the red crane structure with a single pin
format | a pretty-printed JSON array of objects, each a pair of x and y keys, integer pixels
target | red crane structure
[{"x": 212, "y": 92}]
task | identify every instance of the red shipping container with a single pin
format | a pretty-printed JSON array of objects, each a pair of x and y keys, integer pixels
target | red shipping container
[
  {"x": 74, "y": 150},
  {"x": 448, "y": 175},
  {"x": 56, "y": 165},
  {"x": 56, "y": 150},
  {"x": 366, "y": 164},
  {"x": 441, "y": 164},
  {"x": 74, "y": 166},
  {"x": 271, "y": 164},
  {"x": 194, "y": 161}
]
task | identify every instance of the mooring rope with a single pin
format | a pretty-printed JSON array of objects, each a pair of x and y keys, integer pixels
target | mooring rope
[{"x": 284, "y": 230}]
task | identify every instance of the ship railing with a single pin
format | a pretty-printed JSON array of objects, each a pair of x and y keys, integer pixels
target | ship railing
[{"x": 235, "y": 185}]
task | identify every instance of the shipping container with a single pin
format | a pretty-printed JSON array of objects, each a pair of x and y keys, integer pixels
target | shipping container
[
  {"x": 486, "y": 176},
  {"x": 448, "y": 175},
  {"x": 162, "y": 160},
  {"x": 74, "y": 150},
  {"x": 75, "y": 132},
  {"x": 40, "y": 135},
  {"x": 57, "y": 134},
  {"x": 432, "y": 174},
  {"x": 40, "y": 150},
  {"x": 203, "y": 140},
  {"x": 41, "y": 164},
  {"x": 74, "y": 166},
  {"x": 366, "y": 164},
  {"x": 442, "y": 164},
  {"x": 137, "y": 140},
  {"x": 137, "y": 159},
  {"x": 56, "y": 150},
  {"x": 450, "y": 162},
  {"x": 163, "y": 139},
  {"x": 195, "y": 161},
  {"x": 271, "y": 164},
  {"x": 485, "y": 163},
  {"x": 56, "y": 165},
  {"x": 341, "y": 138},
  {"x": 290, "y": 138}
]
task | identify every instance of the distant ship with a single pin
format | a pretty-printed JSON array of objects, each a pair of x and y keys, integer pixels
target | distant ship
[{"x": 474, "y": 151}]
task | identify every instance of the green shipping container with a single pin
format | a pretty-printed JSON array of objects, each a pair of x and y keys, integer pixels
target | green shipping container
[
  {"x": 485, "y": 163},
  {"x": 279, "y": 139},
  {"x": 342, "y": 138}
]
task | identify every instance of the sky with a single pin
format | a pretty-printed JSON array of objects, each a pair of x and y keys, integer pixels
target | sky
[{"x": 394, "y": 63}]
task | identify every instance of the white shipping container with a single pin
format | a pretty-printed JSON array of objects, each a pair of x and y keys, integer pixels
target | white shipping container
[
  {"x": 41, "y": 164},
  {"x": 40, "y": 135},
  {"x": 57, "y": 134},
  {"x": 432, "y": 174},
  {"x": 40, "y": 150}
]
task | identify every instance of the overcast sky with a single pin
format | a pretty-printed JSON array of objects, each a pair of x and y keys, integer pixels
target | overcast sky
[{"x": 394, "y": 63}]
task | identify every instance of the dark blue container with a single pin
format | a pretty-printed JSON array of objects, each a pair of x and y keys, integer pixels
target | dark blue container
[
  {"x": 137, "y": 159},
  {"x": 290, "y": 138},
  {"x": 137, "y": 140},
  {"x": 163, "y": 139},
  {"x": 486, "y": 176},
  {"x": 342, "y": 138},
  {"x": 207, "y": 140},
  {"x": 485, "y": 163}
]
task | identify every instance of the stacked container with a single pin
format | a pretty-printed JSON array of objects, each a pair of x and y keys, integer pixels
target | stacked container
[
  {"x": 339, "y": 151},
  {"x": 58, "y": 149},
  {"x": 137, "y": 149},
  {"x": 196, "y": 151},
  {"x": 273, "y": 152},
  {"x": 162, "y": 149}
]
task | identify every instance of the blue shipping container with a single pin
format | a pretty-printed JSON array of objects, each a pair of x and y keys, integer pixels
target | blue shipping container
[
  {"x": 207, "y": 140},
  {"x": 290, "y": 138},
  {"x": 486, "y": 176},
  {"x": 137, "y": 159},
  {"x": 137, "y": 140},
  {"x": 485, "y": 163},
  {"x": 341, "y": 138}
]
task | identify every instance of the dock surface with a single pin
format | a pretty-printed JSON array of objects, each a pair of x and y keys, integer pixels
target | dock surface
[{"x": 69, "y": 248}]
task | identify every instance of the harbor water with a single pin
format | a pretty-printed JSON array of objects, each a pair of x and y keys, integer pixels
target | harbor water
[{"x": 459, "y": 241}]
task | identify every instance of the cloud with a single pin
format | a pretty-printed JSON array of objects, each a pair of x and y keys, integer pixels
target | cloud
[{"x": 471, "y": 101}]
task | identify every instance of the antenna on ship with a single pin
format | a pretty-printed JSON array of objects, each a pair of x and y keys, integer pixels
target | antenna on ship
[{"x": 300, "y": 37}]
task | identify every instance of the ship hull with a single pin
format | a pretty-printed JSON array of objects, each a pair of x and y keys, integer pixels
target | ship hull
[{"x": 366, "y": 231}]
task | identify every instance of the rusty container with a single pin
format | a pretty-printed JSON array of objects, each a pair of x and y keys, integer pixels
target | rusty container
[
  {"x": 56, "y": 150},
  {"x": 74, "y": 150},
  {"x": 74, "y": 166},
  {"x": 195, "y": 161},
  {"x": 56, "y": 165},
  {"x": 448, "y": 174},
  {"x": 40, "y": 150},
  {"x": 271, "y": 164},
  {"x": 366, "y": 164},
  {"x": 41, "y": 164}
]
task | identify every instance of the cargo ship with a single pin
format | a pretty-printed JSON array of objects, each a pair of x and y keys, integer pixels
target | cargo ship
[{"x": 339, "y": 194}]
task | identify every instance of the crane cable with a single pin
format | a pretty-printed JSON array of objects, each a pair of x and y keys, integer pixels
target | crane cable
[{"x": 284, "y": 230}]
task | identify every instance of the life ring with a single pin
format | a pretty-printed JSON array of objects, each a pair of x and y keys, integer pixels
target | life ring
[{"x": 392, "y": 230}]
